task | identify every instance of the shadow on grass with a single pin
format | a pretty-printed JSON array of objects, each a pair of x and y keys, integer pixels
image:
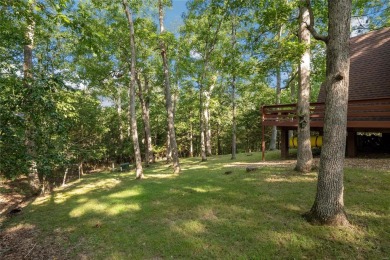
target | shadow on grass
[{"x": 202, "y": 213}]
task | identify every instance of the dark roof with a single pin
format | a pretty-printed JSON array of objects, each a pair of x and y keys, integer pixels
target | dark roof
[{"x": 369, "y": 73}]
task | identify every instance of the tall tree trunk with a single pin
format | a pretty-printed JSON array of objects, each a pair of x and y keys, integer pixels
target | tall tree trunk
[
  {"x": 219, "y": 147},
  {"x": 234, "y": 145},
  {"x": 169, "y": 148},
  {"x": 168, "y": 97},
  {"x": 274, "y": 133},
  {"x": 146, "y": 118},
  {"x": 133, "y": 116},
  {"x": 304, "y": 156},
  {"x": 202, "y": 123},
  {"x": 328, "y": 207},
  {"x": 191, "y": 133},
  {"x": 206, "y": 116},
  {"x": 120, "y": 124},
  {"x": 119, "y": 112},
  {"x": 234, "y": 118},
  {"x": 34, "y": 180}
]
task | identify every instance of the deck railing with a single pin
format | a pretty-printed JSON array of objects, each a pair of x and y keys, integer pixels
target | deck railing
[
  {"x": 367, "y": 113},
  {"x": 363, "y": 115}
]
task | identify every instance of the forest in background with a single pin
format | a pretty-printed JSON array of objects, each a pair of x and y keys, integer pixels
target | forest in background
[{"x": 68, "y": 67}]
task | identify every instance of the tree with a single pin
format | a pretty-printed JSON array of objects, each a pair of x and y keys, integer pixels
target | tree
[
  {"x": 168, "y": 97},
  {"x": 144, "y": 97},
  {"x": 28, "y": 78},
  {"x": 328, "y": 207},
  {"x": 233, "y": 85},
  {"x": 304, "y": 156},
  {"x": 133, "y": 116},
  {"x": 203, "y": 25}
]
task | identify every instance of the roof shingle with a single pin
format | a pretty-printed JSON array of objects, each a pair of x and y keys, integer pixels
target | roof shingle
[{"x": 369, "y": 75}]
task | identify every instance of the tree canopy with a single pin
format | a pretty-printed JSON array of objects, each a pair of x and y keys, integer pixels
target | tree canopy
[{"x": 73, "y": 108}]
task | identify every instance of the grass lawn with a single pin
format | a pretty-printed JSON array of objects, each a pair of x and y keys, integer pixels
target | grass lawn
[{"x": 203, "y": 213}]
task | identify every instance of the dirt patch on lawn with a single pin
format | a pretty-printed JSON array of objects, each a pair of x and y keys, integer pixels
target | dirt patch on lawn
[
  {"x": 14, "y": 196},
  {"x": 25, "y": 241},
  {"x": 382, "y": 164}
]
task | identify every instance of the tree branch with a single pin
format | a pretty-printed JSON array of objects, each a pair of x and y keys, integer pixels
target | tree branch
[
  {"x": 293, "y": 76},
  {"x": 310, "y": 26}
]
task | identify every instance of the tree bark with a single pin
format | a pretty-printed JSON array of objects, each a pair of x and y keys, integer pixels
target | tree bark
[
  {"x": 191, "y": 140},
  {"x": 119, "y": 112},
  {"x": 219, "y": 145},
  {"x": 206, "y": 116},
  {"x": 207, "y": 126},
  {"x": 81, "y": 169},
  {"x": 168, "y": 97},
  {"x": 234, "y": 145},
  {"x": 149, "y": 157},
  {"x": 120, "y": 124},
  {"x": 304, "y": 156},
  {"x": 274, "y": 133},
  {"x": 202, "y": 127},
  {"x": 328, "y": 206},
  {"x": 33, "y": 177},
  {"x": 169, "y": 148},
  {"x": 133, "y": 116},
  {"x": 65, "y": 176}
]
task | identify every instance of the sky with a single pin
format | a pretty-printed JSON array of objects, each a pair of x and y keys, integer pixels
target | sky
[{"x": 173, "y": 15}]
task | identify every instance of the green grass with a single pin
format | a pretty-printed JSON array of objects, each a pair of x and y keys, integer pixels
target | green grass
[{"x": 204, "y": 214}]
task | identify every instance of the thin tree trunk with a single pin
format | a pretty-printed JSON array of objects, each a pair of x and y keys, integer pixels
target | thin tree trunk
[
  {"x": 191, "y": 138},
  {"x": 207, "y": 91},
  {"x": 219, "y": 147},
  {"x": 274, "y": 133},
  {"x": 234, "y": 118},
  {"x": 168, "y": 97},
  {"x": 65, "y": 176},
  {"x": 304, "y": 156},
  {"x": 81, "y": 169},
  {"x": 146, "y": 118},
  {"x": 120, "y": 125},
  {"x": 207, "y": 132},
  {"x": 119, "y": 112},
  {"x": 169, "y": 148},
  {"x": 234, "y": 128},
  {"x": 133, "y": 116},
  {"x": 202, "y": 127},
  {"x": 328, "y": 207},
  {"x": 206, "y": 116}
]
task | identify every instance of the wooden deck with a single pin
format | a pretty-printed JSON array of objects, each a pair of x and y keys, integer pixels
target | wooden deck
[{"x": 368, "y": 115}]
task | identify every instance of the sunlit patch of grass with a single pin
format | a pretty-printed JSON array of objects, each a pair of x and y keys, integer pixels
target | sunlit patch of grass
[
  {"x": 204, "y": 189},
  {"x": 291, "y": 179},
  {"x": 205, "y": 213},
  {"x": 125, "y": 193},
  {"x": 160, "y": 176},
  {"x": 189, "y": 228}
]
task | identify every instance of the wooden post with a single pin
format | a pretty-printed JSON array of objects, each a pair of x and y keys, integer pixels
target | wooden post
[
  {"x": 351, "y": 144},
  {"x": 284, "y": 149}
]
